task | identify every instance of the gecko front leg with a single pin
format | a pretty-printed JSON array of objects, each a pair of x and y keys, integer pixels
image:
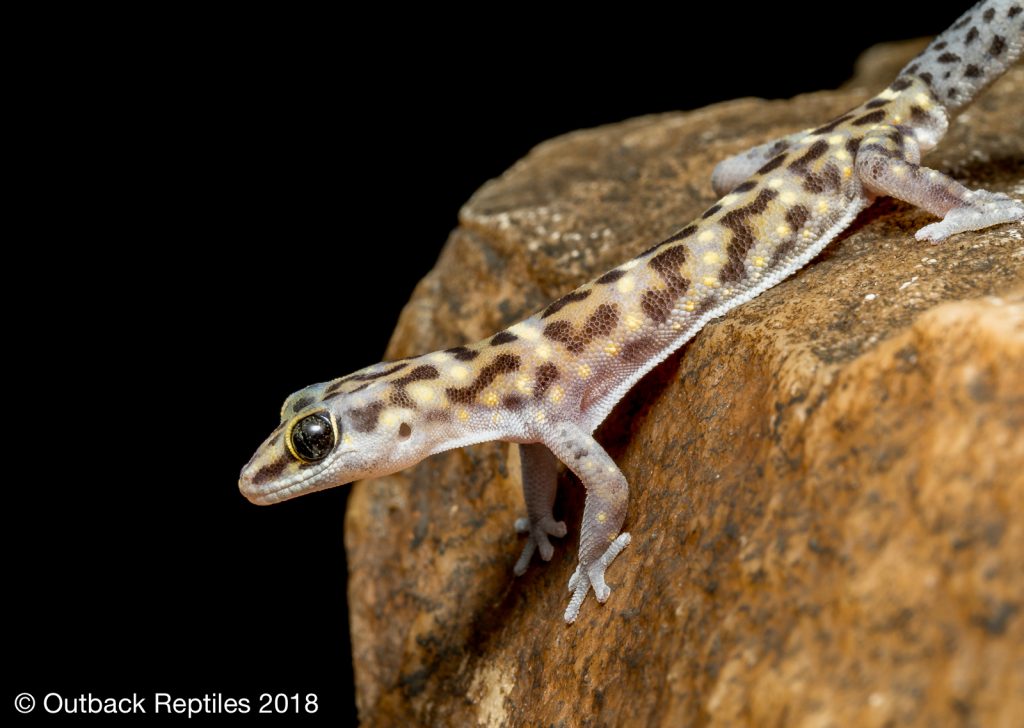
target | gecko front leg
[
  {"x": 603, "y": 513},
  {"x": 887, "y": 164},
  {"x": 540, "y": 481}
]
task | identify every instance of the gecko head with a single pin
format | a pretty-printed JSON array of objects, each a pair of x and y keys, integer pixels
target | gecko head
[{"x": 329, "y": 437}]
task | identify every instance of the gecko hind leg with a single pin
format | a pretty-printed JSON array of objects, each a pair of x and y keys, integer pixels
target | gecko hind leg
[
  {"x": 736, "y": 169},
  {"x": 887, "y": 164},
  {"x": 540, "y": 481}
]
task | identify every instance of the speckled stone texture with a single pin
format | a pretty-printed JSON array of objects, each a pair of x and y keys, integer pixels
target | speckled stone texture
[{"x": 827, "y": 501}]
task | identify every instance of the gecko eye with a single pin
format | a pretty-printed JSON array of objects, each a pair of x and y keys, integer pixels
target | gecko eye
[{"x": 313, "y": 437}]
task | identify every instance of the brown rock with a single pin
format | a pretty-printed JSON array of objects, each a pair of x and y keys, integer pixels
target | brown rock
[{"x": 827, "y": 484}]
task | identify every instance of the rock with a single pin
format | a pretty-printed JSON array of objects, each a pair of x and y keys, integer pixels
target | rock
[{"x": 827, "y": 484}]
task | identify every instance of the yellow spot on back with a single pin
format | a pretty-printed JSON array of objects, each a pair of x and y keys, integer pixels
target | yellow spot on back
[
  {"x": 689, "y": 306},
  {"x": 602, "y": 517},
  {"x": 847, "y": 172},
  {"x": 583, "y": 370},
  {"x": 706, "y": 236},
  {"x": 626, "y": 284},
  {"x": 728, "y": 199},
  {"x": 525, "y": 331},
  {"x": 776, "y": 182},
  {"x": 924, "y": 101},
  {"x": 710, "y": 281},
  {"x": 459, "y": 373},
  {"x": 495, "y": 418},
  {"x": 389, "y": 419},
  {"x": 524, "y": 385},
  {"x": 759, "y": 261},
  {"x": 422, "y": 393},
  {"x": 346, "y": 439},
  {"x": 783, "y": 230},
  {"x": 711, "y": 257},
  {"x": 836, "y": 139},
  {"x": 633, "y": 322},
  {"x": 788, "y": 198},
  {"x": 899, "y": 169},
  {"x": 543, "y": 352},
  {"x": 897, "y": 119},
  {"x": 611, "y": 348},
  {"x": 539, "y": 417},
  {"x": 556, "y": 394},
  {"x": 491, "y": 399},
  {"x": 462, "y": 414},
  {"x": 841, "y": 154},
  {"x": 822, "y": 205}
]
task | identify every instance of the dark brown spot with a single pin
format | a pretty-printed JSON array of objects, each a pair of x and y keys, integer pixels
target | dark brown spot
[
  {"x": 832, "y": 124},
  {"x": 797, "y": 216},
  {"x": 876, "y": 103},
  {"x": 948, "y": 58},
  {"x": 404, "y": 430},
  {"x": 426, "y": 371},
  {"x": 274, "y": 440},
  {"x": 998, "y": 44},
  {"x": 972, "y": 35},
  {"x": 912, "y": 68},
  {"x": 940, "y": 46},
  {"x": 599, "y": 324},
  {"x": 271, "y": 471},
  {"x": 962, "y": 22},
  {"x": 799, "y": 165},
  {"x": 502, "y": 364},
  {"x": 746, "y": 186},
  {"x": 852, "y": 145},
  {"x": 900, "y": 83},
  {"x": 771, "y": 164},
  {"x": 639, "y": 349},
  {"x": 364, "y": 419},
  {"x": 779, "y": 146},
  {"x": 827, "y": 180},
  {"x": 927, "y": 78},
  {"x": 545, "y": 377},
  {"x": 1013, "y": 12},
  {"x": 681, "y": 235},
  {"x": 364, "y": 377},
  {"x": 972, "y": 71},
  {"x": 711, "y": 211},
  {"x": 301, "y": 403},
  {"x": 952, "y": 93},
  {"x": 742, "y": 236},
  {"x": 513, "y": 401},
  {"x": 462, "y": 353},
  {"x": 667, "y": 264},
  {"x": 873, "y": 118},
  {"x": 782, "y": 251},
  {"x": 611, "y": 276},
  {"x": 504, "y": 337},
  {"x": 565, "y": 301},
  {"x": 657, "y": 304},
  {"x": 919, "y": 115},
  {"x": 988, "y": 15}
]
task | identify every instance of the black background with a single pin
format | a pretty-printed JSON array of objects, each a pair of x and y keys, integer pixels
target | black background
[{"x": 218, "y": 211}]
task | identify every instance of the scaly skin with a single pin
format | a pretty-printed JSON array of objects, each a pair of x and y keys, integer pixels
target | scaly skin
[{"x": 550, "y": 380}]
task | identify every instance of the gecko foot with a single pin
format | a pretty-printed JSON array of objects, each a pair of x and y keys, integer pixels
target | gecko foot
[
  {"x": 983, "y": 210},
  {"x": 586, "y": 577},
  {"x": 537, "y": 539}
]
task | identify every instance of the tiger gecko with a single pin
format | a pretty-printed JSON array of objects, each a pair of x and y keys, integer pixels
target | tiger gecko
[{"x": 547, "y": 382}]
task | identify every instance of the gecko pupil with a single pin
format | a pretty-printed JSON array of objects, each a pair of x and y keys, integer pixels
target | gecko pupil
[{"x": 313, "y": 437}]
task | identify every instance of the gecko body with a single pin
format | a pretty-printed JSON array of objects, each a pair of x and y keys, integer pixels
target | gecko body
[{"x": 547, "y": 382}]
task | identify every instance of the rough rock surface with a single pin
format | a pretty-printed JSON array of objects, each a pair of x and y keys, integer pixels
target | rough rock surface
[{"x": 827, "y": 501}]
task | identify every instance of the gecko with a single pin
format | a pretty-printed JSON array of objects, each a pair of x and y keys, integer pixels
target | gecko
[{"x": 547, "y": 382}]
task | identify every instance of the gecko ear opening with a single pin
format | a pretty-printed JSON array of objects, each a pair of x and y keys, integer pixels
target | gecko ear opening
[{"x": 313, "y": 437}]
